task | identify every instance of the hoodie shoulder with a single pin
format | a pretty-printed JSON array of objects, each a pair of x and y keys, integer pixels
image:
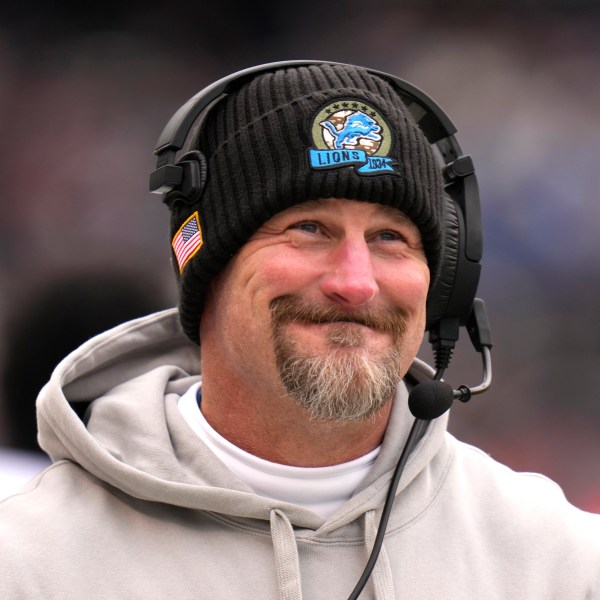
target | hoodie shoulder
[{"x": 529, "y": 505}]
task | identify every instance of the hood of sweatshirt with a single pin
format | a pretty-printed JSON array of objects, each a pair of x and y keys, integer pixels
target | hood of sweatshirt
[
  {"x": 158, "y": 496},
  {"x": 112, "y": 408},
  {"x": 126, "y": 384},
  {"x": 128, "y": 381}
]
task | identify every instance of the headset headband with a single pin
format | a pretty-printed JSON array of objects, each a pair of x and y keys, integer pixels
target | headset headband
[{"x": 451, "y": 304}]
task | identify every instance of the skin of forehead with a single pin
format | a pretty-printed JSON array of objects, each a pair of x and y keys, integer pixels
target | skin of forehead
[{"x": 390, "y": 211}]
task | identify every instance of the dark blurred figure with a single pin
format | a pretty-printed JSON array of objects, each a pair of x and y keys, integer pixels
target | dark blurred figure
[{"x": 57, "y": 317}]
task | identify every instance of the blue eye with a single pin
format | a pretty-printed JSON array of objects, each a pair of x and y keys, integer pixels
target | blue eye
[
  {"x": 389, "y": 236},
  {"x": 307, "y": 226}
]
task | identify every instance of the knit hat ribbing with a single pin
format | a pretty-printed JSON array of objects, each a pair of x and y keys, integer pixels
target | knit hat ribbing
[{"x": 277, "y": 141}]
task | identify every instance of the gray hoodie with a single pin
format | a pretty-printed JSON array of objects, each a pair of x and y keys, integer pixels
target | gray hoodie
[{"x": 135, "y": 506}]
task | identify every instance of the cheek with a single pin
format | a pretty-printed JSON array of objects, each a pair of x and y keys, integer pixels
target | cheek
[
  {"x": 412, "y": 290},
  {"x": 286, "y": 273},
  {"x": 410, "y": 287},
  {"x": 252, "y": 284}
]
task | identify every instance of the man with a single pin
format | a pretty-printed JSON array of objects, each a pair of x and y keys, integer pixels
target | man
[{"x": 306, "y": 252}]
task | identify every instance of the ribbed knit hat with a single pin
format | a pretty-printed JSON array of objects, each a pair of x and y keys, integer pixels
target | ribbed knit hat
[{"x": 296, "y": 134}]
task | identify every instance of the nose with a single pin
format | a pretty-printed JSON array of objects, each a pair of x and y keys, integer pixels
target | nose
[{"x": 350, "y": 278}]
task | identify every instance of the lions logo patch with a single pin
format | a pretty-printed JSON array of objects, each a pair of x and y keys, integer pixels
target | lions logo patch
[{"x": 348, "y": 132}]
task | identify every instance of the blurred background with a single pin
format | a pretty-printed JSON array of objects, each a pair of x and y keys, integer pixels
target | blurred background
[{"x": 85, "y": 90}]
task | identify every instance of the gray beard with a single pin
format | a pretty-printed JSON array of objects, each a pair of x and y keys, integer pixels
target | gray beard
[{"x": 346, "y": 385}]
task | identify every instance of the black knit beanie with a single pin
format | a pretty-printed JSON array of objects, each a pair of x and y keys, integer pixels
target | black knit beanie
[{"x": 296, "y": 134}]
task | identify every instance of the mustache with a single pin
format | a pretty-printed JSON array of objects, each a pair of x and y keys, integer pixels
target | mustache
[{"x": 289, "y": 308}]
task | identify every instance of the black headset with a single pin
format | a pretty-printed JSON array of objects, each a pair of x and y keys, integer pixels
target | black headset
[{"x": 450, "y": 300}]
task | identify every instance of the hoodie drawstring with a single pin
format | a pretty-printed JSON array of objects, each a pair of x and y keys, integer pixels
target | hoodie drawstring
[
  {"x": 287, "y": 563},
  {"x": 382, "y": 572}
]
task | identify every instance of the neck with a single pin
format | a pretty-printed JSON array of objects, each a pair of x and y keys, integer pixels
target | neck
[{"x": 269, "y": 424}]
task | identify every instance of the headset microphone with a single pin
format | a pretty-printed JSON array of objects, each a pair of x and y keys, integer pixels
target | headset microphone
[{"x": 430, "y": 399}]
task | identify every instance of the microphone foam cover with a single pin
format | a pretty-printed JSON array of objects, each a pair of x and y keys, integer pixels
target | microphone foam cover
[{"x": 430, "y": 399}]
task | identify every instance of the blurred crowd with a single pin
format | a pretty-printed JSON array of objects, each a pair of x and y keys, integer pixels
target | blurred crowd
[{"x": 85, "y": 92}]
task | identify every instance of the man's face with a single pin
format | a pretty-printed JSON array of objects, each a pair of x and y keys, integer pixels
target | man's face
[{"x": 324, "y": 304}]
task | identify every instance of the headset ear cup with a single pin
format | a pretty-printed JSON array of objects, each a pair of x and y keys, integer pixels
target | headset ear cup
[
  {"x": 443, "y": 285},
  {"x": 194, "y": 176}
]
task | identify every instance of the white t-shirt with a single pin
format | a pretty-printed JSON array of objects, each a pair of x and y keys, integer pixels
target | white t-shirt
[{"x": 320, "y": 489}]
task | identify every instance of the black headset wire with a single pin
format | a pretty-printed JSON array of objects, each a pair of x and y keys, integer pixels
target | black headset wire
[{"x": 417, "y": 430}]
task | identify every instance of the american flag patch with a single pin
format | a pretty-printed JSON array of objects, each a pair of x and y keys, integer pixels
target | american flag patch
[{"x": 187, "y": 241}]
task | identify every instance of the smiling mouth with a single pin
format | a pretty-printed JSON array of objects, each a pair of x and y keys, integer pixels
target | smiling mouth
[
  {"x": 345, "y": 324},
  {"x": 288, "y": 309},
  {"x": 340, "y": 334}
]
